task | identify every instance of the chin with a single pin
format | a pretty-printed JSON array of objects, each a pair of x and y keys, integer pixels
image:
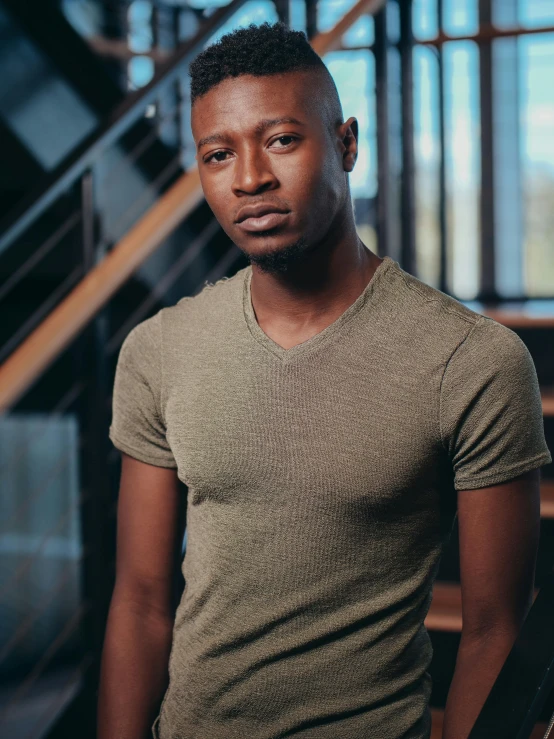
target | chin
[{"x": 275, "y": 258}]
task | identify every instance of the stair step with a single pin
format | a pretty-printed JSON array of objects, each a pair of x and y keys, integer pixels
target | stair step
[
  {"x": 445, "y": 613},
  {"x": 547, "y": 499},
  {"x": 547, "y": 396},
  {"x": 525, "y": 314},
  {"x": 438, "y": 714}
]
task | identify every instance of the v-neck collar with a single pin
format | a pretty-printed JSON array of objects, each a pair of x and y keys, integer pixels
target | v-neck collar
[{"x": 324, "y": 336}]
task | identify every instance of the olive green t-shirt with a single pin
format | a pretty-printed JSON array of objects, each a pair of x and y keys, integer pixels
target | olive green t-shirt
[{"x": 322, "y": 485}]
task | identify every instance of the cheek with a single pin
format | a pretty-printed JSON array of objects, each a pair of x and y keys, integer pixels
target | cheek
[
  {"x": 321, "y": 188},
  {"x": 217, "y": 193},
  {"x": 304, "y": 179}
]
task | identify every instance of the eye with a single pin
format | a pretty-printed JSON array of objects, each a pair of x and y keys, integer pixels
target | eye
[
  {"x": 286, "y": 140},
  {"x": 213, "y": 156}
]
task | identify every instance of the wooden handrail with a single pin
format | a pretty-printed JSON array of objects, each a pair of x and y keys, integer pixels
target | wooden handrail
[
  {"x": 330, "y": 40},
  {"x": 64, "y": 323}
]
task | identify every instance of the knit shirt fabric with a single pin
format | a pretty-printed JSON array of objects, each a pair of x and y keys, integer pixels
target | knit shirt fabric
[{"x": 321, "y": 487}]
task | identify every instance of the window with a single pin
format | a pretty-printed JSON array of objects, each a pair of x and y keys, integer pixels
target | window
[{"x": 489, "y": 125}]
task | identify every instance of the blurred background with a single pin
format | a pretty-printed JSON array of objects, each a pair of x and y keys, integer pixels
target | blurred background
[{"x": 103, "y": 223}]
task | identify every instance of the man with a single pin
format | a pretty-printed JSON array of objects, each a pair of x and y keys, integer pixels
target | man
[{"x": 324, "y": 408}]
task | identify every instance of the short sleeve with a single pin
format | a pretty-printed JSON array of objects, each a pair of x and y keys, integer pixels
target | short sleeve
[
  {"x": 137, "y": 426},
  {"x": 491, "y": 415}
]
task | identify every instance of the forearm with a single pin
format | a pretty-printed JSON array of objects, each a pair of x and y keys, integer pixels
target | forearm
[
  {"x": 133, "y": 672},
  {"x": 478, "y": 664}
]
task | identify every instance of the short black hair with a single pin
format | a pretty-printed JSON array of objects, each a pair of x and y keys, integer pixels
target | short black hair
[{"x": 257, "y": 50}]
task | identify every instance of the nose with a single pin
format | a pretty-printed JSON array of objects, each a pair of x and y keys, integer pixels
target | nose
[{"x": 253, "y": 173}]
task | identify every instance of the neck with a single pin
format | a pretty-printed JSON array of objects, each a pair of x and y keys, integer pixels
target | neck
[{"x": 329, "y": 278}]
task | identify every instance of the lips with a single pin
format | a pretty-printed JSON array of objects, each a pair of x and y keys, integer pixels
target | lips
[
  {"x": 264, "y": 223},
  {"x": 261, "y": 217},
  {"x": 256, "y": 211}
]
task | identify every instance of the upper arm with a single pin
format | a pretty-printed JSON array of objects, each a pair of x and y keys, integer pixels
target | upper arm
[
  {"x": 490, "y": 411},
  {"x": 149, "y": 533},
  {"x": 151, "y": 506},
  {"x": 499, "y": 529}
]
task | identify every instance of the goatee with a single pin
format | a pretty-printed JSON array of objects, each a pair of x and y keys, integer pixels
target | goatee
[{"x": 279, "y": 260}]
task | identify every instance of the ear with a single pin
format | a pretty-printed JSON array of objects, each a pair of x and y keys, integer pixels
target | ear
[{"x": 348, "y": 133}]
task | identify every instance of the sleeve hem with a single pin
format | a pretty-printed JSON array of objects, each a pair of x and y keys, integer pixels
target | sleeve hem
[
  {"x": 504, "y": 475},
  {"x": 141, "y": 456}
]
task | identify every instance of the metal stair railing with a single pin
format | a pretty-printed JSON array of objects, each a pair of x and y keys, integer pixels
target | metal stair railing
[
  {"x": 122, "y": 118},
  {"x": 63, "y": 323}
]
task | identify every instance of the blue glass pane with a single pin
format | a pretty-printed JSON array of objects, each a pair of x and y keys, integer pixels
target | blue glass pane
[
  {"x": 536, "y": 13},
  {"x": 139, "y": 35},
  {"x": 463, "y": 167},
  {"x": 508, "y": 194},
  {"x": 140, "y": 70},
  {"x": 84, "y": 16},
  {"x": 505, "y": 13},
  {"x": 393, "y": 22},
  {"x": 254, "y": 11},
  {"x": 461, "y": 17},
  {"x": 331, "y": 11},
  {"x": 203, "y": 4},
  {"x": 52, "y": 120},
  {"x": 361, "y": 33},
  {"x": 354, "y": 76},
  {"x": 297, "y": 15},
  {"x": 139, "y": 11},
  {"x": 140, "y": 41},
  {"x": 427, "y": 164},
  {"x": 425, "y": 19},
  {"x": 537, "y": 157}
]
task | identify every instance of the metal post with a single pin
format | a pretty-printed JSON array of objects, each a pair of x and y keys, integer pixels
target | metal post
[
  {"x": 115, "y": 26},
  {"x": 487, "y": 283},
  {"x": 443, "y": 226},
  {"x": 408, "y": 245},
  {"x": 97, "y": 537},
  {"x": 311, "y": 18},
  {"x": 283, "y": 10},
  {"x": 168, "y": 107},
  {"x": 508, "y": 187},
  {"x": 87, "y": 211},
  {"x": 178, "y": 84},
  {"x": 187, "y": 26},
  {"x": 383, "y": 153}
]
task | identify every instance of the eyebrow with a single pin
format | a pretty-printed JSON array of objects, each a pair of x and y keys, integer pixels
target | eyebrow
[{"x": 259, "y": 128}]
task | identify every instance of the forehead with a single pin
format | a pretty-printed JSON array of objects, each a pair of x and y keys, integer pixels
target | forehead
[{"x": 239, "y": 103}]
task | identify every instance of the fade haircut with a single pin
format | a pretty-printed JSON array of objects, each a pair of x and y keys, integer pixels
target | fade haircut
[{"x": 260, "y": 51}]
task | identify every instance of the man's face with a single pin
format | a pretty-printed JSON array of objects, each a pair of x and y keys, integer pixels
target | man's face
[{"x": 267, "y": 143}]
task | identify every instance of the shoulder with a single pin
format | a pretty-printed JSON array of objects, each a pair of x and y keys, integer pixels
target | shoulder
[
  {"x": 423, "y": 318},
  {"x": 417, "y": 297},
  {"x": 214, "y": 303},
  {"x": 448, "y": 318},
  {"x": 142, "y": 343},
  {"x": 492, "y": 340},
  {"x": 190, "y": 315},
  {"x": 492, "y": 351}
]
